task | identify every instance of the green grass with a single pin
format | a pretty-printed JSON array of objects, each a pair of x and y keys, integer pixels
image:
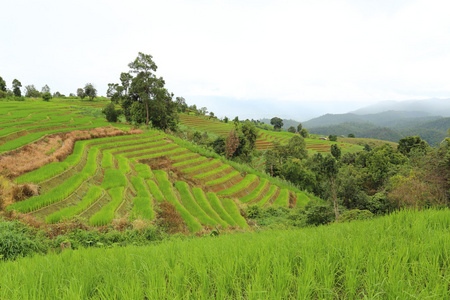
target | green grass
[
  {"x": 60, "y": 192},
  {"x": 143, "y": 202},
  {"x": 282, "y": 199},
  {"x": 262, "y": 184},
  {"x": 243, "y": 184},
  {"x": 302, "y": 200},
  {"x": 114, "y": 178},
  {"x": 223, "y": 179},
  {"x": 212, "y": 172},
  {"x": 201, "y": 166},
  {"x": 165, "y": 187},
  {"x": 43, "y": 173},
  {"x": 154, "y": 190},
  {"x": 190, "y": 161},
  {"x": 94, "y": 193},
  {"x": 217, "y": 205},
  {"x": 232, "y": 209},
  {"x": 269, "y": 195},
  {"x": 191, "y": 205},
  {"x": 106, "y": 214},
  {"x": 203, "y": 202},
  {"x": 143, "y": 171}
]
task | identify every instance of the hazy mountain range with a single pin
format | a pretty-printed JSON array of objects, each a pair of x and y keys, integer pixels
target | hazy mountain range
[{"x": 387, "y": 120}]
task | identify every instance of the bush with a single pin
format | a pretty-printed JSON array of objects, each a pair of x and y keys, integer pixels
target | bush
[
  {"x": 46, "y": 96},
  {"x": 319, "y": 213},
  {"x": 110, "y": 112},
  {"x": 16, "y": 240}
]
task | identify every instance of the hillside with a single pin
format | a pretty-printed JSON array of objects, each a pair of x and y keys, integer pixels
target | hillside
[
  {"x": 389, "y": 125},
  {"x": 265, "y": 138},
  {"x": 129, "y": 174}
]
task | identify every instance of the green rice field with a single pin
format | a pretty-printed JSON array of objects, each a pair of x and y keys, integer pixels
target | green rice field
[{"x": 405, "y": 255}]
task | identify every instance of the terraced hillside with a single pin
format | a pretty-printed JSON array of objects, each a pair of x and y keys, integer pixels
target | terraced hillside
[
  {"x": 130, "y": 175},
  {"x": 22, "y": 123},
  {"x": 109, "y": 178},
  {"x": 265, "y": 139}
]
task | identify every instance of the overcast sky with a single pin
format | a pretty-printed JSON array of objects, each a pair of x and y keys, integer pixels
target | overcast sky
[{"x": 251, "y": 58}]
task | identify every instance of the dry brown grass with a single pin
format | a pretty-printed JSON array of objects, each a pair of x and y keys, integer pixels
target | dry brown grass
[
  {"x": 52, "y": 148},
  {"x": 170, "y": 219}
]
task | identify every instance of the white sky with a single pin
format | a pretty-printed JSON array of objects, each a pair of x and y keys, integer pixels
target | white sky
[{"x": 305, "y": 58}]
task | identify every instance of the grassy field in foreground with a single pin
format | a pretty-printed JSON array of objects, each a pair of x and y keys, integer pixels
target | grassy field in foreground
[{"x": 401, "y": 256}]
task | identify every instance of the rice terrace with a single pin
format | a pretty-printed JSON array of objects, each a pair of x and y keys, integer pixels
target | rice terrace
[{"x": 139, "y": 195}]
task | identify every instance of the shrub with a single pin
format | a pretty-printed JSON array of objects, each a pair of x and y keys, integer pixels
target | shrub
[
  {"x": 16, "y": 240},
  {"x": 110, "y": 112},
  {"x": 319, "y": 213},
  {"x": 46, "y": 96}
]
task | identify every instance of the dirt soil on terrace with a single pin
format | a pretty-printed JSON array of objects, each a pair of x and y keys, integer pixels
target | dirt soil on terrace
[{"x": 52, "y": 148}]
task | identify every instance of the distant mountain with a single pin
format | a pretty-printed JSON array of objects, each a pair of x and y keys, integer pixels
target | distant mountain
[
  {"x": 385, "y": 119},
  {"x": 435, "y": 107},
  {"x": 431, "y": 131}
]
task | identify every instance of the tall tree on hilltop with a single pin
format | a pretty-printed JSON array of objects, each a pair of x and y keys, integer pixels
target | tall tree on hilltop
[
  {"x": 277, "y": 123},
  {"x": 16, "y": 84},
  {"x": 90, "y": 91},
  {"x": 149, "y": 90},
  {"x": 125, "y": 79},
  {"x": 45, "y": 89}
]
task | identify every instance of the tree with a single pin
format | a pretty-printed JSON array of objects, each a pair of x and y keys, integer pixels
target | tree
[
  {"x": 110, "y": 112},
  {"x": 351, "y": 135},
  {"x": 2, "y": 84},
  {"x": 225, "y": 119},
  {"x": 330, "y": 170},
  {"x": 115, "y": 92},
  {"x": 45, "y": 89},
  {"x": 304, "y": 133},
  {"x": 203, "y": 110},
  {"x": 291, "y": 129},
  {"x": 251, "y": 134},
  {"x": 231, "y": 144},
  {"x": 46, "y": 96},
  {"x": 332, "y": 137},
  {"x": 336, "y": 151},
  {"x": 80, "y": 93},
  {"x": 57, "y": 95},
  {"x": 148, "y": 89},
  {"x": 181, "y": 104},
  {"x": 299, "y": 127},
  {"x": 31, "y": 91},
  {"x": 125, "y": 79},
  {"x": 277, "y": 123},
  {"x": 16, "y": 88},
  {"x": 296, "y": 147},
  {"x": 410, "y": 143},
  {"x": 90, "y": 91}
]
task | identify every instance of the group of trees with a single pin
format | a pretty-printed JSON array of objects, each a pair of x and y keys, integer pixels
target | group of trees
[
  {"x": 377, "y": 180},
  {"x": 32, "y": 92},
  {"x": 143, "y": 97}
]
